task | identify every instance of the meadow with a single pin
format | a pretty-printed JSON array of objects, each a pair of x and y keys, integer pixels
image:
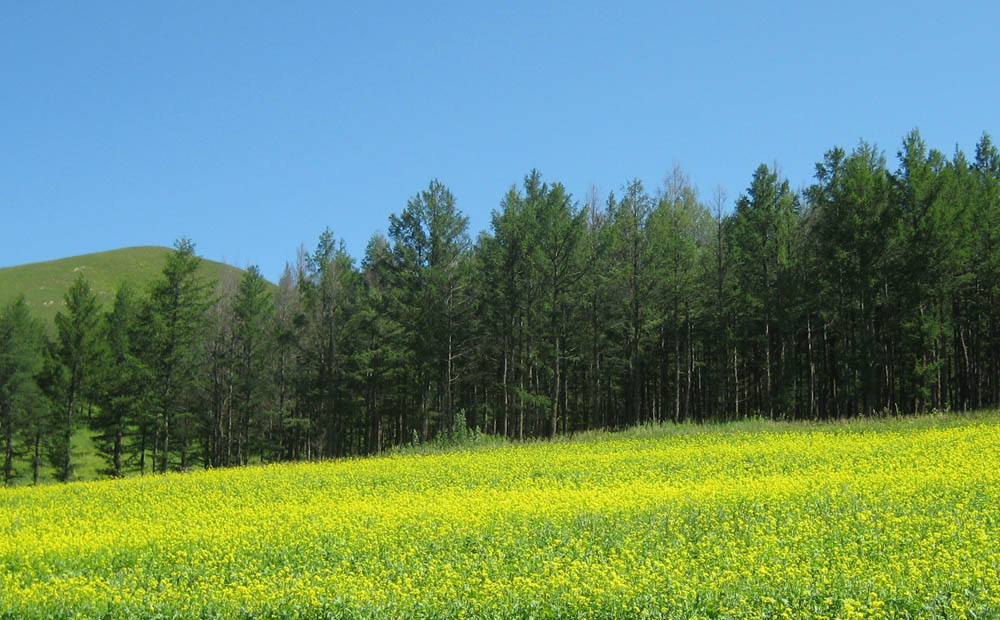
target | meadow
[
  {"x": 887, "y": 519},
  {"x": 44, "y": 284}
]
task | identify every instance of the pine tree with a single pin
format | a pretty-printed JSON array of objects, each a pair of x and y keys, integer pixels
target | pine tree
[
  {"x": 504, "y": 258},
  {"x": 77, "y": 349},
  {"x": 174, "y": 323},
  {"x": 854, "y": 219},
  {"x": 117, "y": 396},
  {"x": 557, "y": 232},
  {"x": 762, "y": 232},
  {"x": 253, "y": 313},
  {"x": 676, "y": 228},
  {"x": 985, "y": 254},
  {"x": 328, "y": 288},
  {"x": 632, "y": 276},
  {"x": 430, "y": 247},
  {"x": 21, "y": 345}
]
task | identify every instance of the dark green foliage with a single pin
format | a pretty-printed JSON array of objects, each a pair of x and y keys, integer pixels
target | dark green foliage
[
  {"x": 528, "y": 272},
  {"x": 873, "y": 291},
  {"x": 763, "y": 231},
  {"x": 77, "y": 349},
  {"x": 21, "y": 401},
  {"x": 328, "y": 289},
  {"x": 174, "y": 324},
  {"x": 855, "y": 217},
  {"x": 118, "y": 394},
  {"x": 430, "y": 267},
  {"x": 679, "y": 234},
  {"x": 253, "y": 315}
]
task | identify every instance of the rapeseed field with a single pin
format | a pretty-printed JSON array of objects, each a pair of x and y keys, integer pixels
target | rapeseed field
[{"x": 895, "y": 520}]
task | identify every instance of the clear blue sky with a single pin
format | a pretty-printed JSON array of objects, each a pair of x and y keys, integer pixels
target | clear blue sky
[{"x": 250, "y": 127}]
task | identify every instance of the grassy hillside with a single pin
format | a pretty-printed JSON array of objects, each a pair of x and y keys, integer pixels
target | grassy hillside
[
  {"x": 893, "y": 519},
  {"x": 44, "y": 284}
]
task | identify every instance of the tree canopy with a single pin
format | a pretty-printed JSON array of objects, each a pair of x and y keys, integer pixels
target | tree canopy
[{"x": 871, "y": 291}]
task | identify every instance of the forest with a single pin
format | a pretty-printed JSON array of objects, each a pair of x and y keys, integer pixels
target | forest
[{"x": 873, "y": 291}]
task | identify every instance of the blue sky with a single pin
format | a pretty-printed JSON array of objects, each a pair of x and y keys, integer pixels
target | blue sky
[{"x": 250, "y": 127}]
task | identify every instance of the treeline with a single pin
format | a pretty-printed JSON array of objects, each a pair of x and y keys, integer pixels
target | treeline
[{"x": 871, "y": 291}]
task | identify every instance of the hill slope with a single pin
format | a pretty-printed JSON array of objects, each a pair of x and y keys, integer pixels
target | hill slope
[
  {"x": 44, "y": 283},
  {"x": 893, "y": 519}
]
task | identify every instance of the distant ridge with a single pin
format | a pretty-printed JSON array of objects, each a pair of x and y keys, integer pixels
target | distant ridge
[{"x": 45, "y": 283}]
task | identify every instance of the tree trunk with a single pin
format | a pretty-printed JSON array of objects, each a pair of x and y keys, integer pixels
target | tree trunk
[
  {"x": 449, "y": 414},
  {"x": 142, "y": 451},
  {"x": 736, "y": 382},
  {"x": 677, "y": 367},
  {"x": 690, "y": 369},
  {"x": 767, "y": 357},
  {"x": 555, "y": 393},
  {"x": 118, "y": 451},
  {"x": 36, "y": 461},
  {"x": 8, "y": 461},
  {"x": 506, "y": 395},
  {"x": 166, "y": 444},
  {"x": 68, "y": 433},
  {"x": 812, "y": 370}
]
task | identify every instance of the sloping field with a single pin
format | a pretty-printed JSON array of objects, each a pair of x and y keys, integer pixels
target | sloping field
[
  {"x": 898, "y": 520},
  {"x": 45, "y": 283}
]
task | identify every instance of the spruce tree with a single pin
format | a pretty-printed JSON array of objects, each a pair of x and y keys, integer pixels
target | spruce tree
[
  {"x": 118, "y": 395},
  {"x": 21, "y": 345},
  {"x": 174, "y": 323},
  {"x": 430, "y": 246},
  {"x": 77, "y": 348},
  {"x": 253, "y": 312}
]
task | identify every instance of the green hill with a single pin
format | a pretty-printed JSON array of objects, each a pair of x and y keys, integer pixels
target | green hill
[{"x": 44, "y": 284}]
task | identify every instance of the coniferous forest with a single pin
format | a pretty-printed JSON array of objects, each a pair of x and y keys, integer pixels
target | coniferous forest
[{"x": 872, "y": 291}]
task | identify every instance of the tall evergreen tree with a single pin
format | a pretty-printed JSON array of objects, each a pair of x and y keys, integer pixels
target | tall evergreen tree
[
  {"x": 253, "y": 313},
  {"x": 174, "y": 325},
  {"x": 557, "y": 232},
  {"x": 329, "y": 288},
  {"x": 116, "y": 393},
  {"x": 430, "y": 246},
  {"x": 763, "y": 228},
  {"x": 855, "y": 201},
  {"x": 676, "y": 232},
  {"x": 77, "y": 349},
  {"x": 21, "y": 345},
  {"x": 504, "y": 261},
  {"x": 632, "y": 276},
  {"x": 382, "y": 358},
  {"x": 283, "y": 335},
  {"x": 985, "y": 256}
]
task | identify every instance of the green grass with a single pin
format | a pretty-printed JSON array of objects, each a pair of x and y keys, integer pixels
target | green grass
[
  {"x": 45, "y": 283},
  {"x": 87, "y": 462}
]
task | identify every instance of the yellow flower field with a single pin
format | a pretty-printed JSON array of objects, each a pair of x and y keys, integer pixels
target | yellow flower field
[{"x": 900, "y": 520}]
